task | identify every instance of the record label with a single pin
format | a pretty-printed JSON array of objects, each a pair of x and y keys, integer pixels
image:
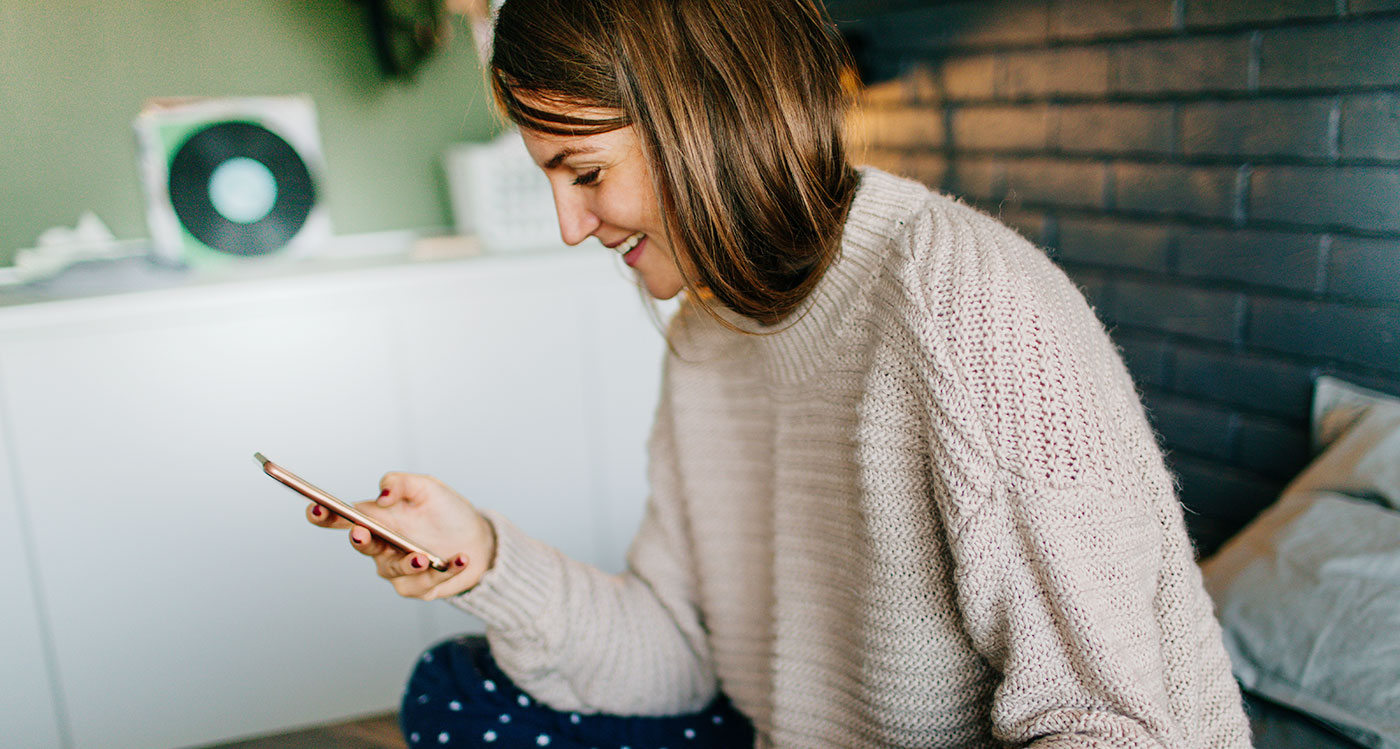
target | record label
[
  {"x": 243, "y": 190},
  {"x": 240, "y": 188}
]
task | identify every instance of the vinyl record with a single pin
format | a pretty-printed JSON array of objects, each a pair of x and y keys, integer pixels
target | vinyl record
[{"x": 240, "y": 188}]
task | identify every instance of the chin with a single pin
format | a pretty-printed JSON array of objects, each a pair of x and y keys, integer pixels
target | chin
[
  {"x": 662, "y": 295},
  {"x": 663, "y": 288}
]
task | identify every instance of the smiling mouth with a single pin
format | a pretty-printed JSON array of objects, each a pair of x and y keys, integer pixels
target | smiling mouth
[{"x": 629, "y": 244}]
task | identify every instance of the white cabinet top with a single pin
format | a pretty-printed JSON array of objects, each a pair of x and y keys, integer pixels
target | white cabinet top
[{"x": 134, "y": 284}]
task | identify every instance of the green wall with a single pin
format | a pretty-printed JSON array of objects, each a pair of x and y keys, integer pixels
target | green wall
[{"x": 74, "y": 73}]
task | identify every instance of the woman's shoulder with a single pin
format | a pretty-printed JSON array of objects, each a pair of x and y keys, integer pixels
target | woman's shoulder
[
  {"x": 944, "y": 252},
  {"x": 978, "y": 295},
  {"x": 920, "y": 225},
  {"x": 1013, "y": 340}
]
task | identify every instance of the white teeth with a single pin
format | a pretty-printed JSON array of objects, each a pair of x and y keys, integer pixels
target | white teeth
[{"x": 629, "y": 243}]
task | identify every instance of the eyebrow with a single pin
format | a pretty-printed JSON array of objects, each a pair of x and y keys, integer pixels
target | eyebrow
[{"x": 566, "y": 153}]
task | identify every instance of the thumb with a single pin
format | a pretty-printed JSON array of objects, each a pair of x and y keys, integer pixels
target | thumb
[{"x": 410, "y": 488}]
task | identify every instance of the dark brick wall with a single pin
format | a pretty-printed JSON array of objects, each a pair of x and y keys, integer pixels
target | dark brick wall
[{"x": 1221, "y": 177}]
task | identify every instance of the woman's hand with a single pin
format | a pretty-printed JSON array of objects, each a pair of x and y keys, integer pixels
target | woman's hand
[{"x": 431, "y": 513}]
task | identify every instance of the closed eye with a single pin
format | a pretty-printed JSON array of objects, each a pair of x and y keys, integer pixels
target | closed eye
[{"x": 587, "y": 178}]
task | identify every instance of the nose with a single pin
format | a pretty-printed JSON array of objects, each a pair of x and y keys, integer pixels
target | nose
[{"x": 576, "y": 220}]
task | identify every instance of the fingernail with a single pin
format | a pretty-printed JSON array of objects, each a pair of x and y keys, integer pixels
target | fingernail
[
  {"x": 460, "y": 562},
  {"x": 417, "y": 563},
  {"x": 356, "y": 539},
  {"x": 384, "y": 493},
  {"x": 317, "y": 511}
]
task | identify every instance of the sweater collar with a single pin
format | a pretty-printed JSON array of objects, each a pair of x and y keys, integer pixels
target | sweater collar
[{"x": 801, "y": 346}]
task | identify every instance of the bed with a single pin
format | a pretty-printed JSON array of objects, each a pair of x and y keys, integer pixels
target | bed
[{"x": 1308, "y": 593}]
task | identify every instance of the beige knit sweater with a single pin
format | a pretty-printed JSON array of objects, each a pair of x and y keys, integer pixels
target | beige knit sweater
[{"x": 929, "y": 512}]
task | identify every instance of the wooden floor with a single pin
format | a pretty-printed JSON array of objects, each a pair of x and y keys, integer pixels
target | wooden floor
[
  {"x": 1274, "y": 728},
  {"x": 372, "y": 732}
]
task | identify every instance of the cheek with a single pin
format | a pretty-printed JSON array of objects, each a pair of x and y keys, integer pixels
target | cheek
[
  {"x": 621, "y": 212},
  {"x": 628, "y": 203}
]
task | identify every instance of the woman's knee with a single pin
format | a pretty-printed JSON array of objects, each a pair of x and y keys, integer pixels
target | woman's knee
[
  {"x": 457, "y": 697},
  {"x": 447, "y": 679}
]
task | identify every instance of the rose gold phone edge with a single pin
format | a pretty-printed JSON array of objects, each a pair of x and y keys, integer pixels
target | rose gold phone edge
[{"x": 345, "y": 510}]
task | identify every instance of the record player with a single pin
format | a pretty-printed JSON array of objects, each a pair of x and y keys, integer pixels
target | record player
[{"x": 232, "y": 178}]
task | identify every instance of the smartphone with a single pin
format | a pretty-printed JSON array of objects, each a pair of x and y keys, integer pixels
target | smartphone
[{"x": 347, "y": 511}]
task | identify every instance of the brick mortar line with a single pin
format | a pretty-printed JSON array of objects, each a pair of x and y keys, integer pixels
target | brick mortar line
[
  {"x": 1109, "y": 197},
  {"x": 1208, "y": 285},
  {"x": 1178, "y": 217},
  {"x": 1200, "y": 96},
  {"x": 1174, "y": 344},
  {"x": 1233, "y": 470},
  {"x": 1244, "y": 411},
  {"x": 1324, "y": 259},
  {"x": 1157, "y": 220},
  {"x": 1334, "y": 129},
  {"x": 1255, "y": 64},
  {"x": 1189, "y": 221},
  {"x": 1202, "y": 31},
  {"x": 1174, "y": 130},
  {"x": 1228, "y": 413},
  {"x": 1142, "y": 158},
  {"x": 1243, "y": 319},
  {"x": 1129, "y": 274},
  {"x": 1318, "y": 364},
  {"x": 1244, "y": 180}
]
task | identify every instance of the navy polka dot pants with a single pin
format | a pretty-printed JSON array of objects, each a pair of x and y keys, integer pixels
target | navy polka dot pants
[{"x": 458, "y": 697}]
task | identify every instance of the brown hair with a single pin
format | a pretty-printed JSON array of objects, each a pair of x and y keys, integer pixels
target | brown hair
[{"x": 740, "y": 108}]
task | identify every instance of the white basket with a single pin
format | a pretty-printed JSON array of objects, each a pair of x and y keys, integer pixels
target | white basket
[{"x": 501, "y": 196}]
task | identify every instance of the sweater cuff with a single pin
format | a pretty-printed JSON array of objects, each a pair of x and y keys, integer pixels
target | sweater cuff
[{"x": 515, "y": 593}]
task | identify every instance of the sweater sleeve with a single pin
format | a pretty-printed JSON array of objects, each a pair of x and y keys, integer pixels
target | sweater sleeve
[
  {"x": 579, "y": 639},
  {"x": 1074, "y": 575}
]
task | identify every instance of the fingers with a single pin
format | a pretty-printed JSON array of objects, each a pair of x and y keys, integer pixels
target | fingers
[
  {"x": 412, "y": 574},
  {"x": 367, "y": 543},
  {"x": 414, "y": 578},
  {"x": 319, "y": 515},
  {"x": 392, "y": 562},
  {"x": 401, "y": 565}
]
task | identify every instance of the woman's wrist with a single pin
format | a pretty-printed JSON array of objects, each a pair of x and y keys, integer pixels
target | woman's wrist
[
  {"x": 492, "y": 543},
  {"x": 495, "y": 542}
]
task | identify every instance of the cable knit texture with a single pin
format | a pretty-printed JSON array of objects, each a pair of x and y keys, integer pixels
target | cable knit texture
[{"x": 929, "y": 511}]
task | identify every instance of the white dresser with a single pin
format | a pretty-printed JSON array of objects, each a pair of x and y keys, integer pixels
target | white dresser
[{"x": 159, "y": 591}]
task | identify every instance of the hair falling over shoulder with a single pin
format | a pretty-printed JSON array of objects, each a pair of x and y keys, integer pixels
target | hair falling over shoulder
[{"x": 740, "y": 106}]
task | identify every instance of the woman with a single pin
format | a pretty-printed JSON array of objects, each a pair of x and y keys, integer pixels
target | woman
[{"x": 903, "y": 492}]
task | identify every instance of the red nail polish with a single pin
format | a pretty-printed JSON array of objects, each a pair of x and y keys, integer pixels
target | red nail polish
[
  {"x": 317, "y": 511},
  {"x": 461, "y": 562},
  {"x": 417, "y": 563},
  {"x": 384, "y": 493}
]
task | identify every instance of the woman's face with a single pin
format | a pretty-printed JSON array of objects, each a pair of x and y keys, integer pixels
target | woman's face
[{"x": 602, "y": 188}]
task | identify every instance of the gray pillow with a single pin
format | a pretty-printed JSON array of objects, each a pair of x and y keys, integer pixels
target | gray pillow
[{"x": 1308, "y": 594}]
